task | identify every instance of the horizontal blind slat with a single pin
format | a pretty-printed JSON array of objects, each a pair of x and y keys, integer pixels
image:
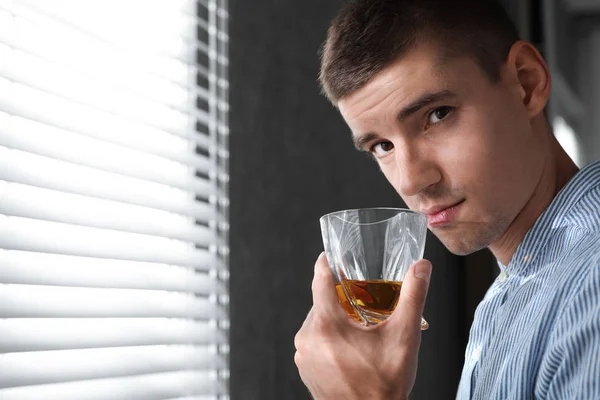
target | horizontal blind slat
[
  {"x": 26, "y": 234},
  {"x": 185, "y": 7},
  {"x": 144, "y": 387},
  {"x": 86, "y": 91},
  {"x": 26, "y": 168},
  {"x": 24, "y": 27},
  {"x": 153, "y": 87},
  {"x": 51, "y": 205},
  {"x": 39, "y": 334},
  {"x": 19, "y": 99},
  {"x": 130, "y": 156},
  {"x": 152, "y": 141},
  {"x": 32, "y": 268},
  {"x": 174, "y": 175},
  {"x": 152, "y": 27},
  {"x": 161, "y": 32},
  {"x": 42, "y": 367},
  {"x": 34, "y": 301}
]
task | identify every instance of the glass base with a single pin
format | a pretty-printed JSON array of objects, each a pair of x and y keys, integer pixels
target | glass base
[{"x": 372, "y": 318}]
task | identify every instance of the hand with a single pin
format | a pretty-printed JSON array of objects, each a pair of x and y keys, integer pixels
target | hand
[{"x": 340, "y": 359}]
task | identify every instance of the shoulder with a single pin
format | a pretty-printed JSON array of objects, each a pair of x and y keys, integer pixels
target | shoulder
[
  {"x": 582, "y": 267},
  {"x": 585, "y": 212},
  {"x": 573, "y": 273}
]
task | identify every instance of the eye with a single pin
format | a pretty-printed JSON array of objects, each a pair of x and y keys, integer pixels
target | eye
[
  {"x": 381, "y": 149},
  {"x": 439, "y": 114}
]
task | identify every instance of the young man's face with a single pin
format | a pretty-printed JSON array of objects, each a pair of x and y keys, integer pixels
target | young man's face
[{"x": 454, "y": 145}]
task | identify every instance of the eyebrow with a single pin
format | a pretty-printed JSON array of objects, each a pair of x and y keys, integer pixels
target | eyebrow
[{"x": 423, "y": 101}]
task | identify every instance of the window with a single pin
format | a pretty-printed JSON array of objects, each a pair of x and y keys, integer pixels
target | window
[
  {"x": 568, "y": 139},
  {"x": 113, "y": 199}
]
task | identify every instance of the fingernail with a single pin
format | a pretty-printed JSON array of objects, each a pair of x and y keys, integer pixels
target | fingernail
[{"x": 423, "y": 270}]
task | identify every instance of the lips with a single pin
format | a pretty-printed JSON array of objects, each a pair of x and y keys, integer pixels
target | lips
[{"x": 442, "y": 215}]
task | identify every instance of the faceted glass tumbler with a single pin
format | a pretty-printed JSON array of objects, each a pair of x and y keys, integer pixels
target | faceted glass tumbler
[{"x": 369, "y": 251}]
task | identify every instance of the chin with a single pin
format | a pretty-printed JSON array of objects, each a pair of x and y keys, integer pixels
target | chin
[
  {"x": 469, "y": 238},
  {"x": 463, "y": 246}
]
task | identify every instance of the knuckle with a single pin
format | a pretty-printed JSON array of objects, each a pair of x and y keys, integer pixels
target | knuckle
[
  {"x": 299, "y": 340},
  {"x": 414, "y": 299},
  {"x": 298, "y": 359},
  {"x": 321, "y": 324}
]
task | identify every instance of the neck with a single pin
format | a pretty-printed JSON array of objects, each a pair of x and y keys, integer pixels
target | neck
[{"x": 558, "y": 170}]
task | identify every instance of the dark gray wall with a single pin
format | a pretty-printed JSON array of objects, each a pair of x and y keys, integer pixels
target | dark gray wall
[{"x": 292, "y": 161}]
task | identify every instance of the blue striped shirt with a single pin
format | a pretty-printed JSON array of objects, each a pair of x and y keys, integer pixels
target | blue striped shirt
[{"x": 536, "y": 334}]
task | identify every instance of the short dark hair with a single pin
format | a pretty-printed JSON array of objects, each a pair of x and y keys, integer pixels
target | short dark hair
[{"x": 369, "y": 35}]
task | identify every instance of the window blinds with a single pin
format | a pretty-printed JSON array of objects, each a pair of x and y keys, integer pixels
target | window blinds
[{"x": 113, "y": 199}]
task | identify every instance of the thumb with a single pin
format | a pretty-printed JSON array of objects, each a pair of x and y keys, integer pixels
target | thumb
[
  {"x": 411, "y": 303},
  {"x": 323, "y": 287}
]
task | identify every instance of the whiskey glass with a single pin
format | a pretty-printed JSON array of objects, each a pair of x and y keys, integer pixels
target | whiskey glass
[{"x": 369, "y": 251}]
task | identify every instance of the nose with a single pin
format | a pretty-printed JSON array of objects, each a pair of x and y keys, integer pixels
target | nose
[{"x": 415, "y": 171}]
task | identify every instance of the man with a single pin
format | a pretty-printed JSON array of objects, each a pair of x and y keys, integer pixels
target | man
[{"x": 451, "y": 105}]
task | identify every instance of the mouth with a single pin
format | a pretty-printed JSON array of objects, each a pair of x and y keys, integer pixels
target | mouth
[{"x": 442, "y": 215}]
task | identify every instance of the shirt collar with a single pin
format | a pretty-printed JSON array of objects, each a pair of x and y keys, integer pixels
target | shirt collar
[{"x": 522, "y": 262}]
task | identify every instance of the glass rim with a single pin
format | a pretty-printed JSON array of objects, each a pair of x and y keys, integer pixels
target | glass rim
[{"x": 399, "y": 211}]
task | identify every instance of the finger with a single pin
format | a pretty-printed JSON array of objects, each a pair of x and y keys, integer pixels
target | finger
[
  {"x": 308, "y": 319},
  {"x": 299, "y": 339},
  {"x": 412, "y": 295},
  {"x": 323, "y": 287}
]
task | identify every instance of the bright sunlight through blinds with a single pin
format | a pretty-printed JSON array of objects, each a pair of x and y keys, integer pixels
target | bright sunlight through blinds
[{"x": 113, "y": 199}]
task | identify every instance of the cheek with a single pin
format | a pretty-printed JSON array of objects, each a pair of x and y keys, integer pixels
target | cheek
[
  {"x": 489, "y": 159},
  {"x": 468, "y": 155}
]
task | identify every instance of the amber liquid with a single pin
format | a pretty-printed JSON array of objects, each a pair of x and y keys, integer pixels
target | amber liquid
[{"x": 377, "y": 298}]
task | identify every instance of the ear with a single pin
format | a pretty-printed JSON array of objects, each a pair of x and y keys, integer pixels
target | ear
[{"x": 531, "y": 75}]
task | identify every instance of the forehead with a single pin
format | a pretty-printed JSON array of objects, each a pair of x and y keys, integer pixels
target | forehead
[{"x": 423, "y": 70}]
